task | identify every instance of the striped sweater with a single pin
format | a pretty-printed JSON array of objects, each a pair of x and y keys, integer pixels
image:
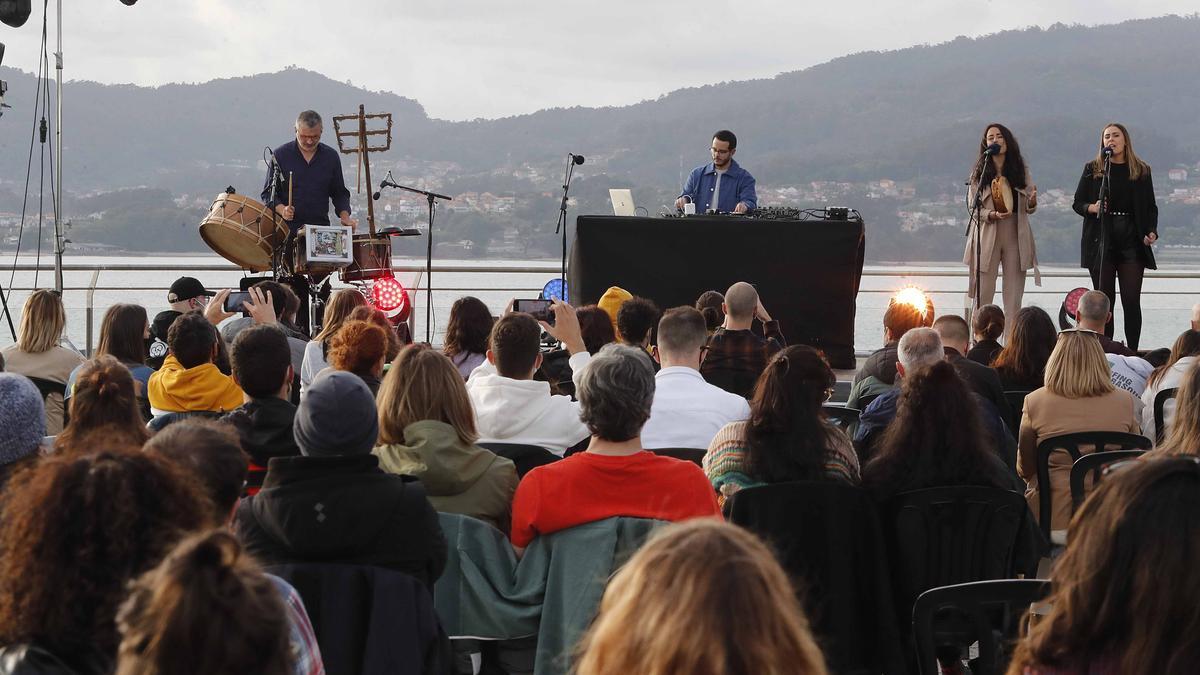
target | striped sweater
[{"x": 725, "y": 463}]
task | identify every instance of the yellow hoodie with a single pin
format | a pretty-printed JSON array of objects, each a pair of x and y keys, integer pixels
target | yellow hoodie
[{"x": 177, "y": 389}]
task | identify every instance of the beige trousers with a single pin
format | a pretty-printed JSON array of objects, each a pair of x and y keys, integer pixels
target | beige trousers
[{"x": 1005, "y": 253}]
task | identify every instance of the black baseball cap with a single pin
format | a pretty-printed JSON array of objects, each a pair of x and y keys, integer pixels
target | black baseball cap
[{"x": 186, "y": 288}]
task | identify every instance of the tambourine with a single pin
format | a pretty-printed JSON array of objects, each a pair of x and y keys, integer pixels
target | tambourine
[{"x": 1002, "y": 195}]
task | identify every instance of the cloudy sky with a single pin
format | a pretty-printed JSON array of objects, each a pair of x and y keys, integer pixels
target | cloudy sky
[{"x": 464, "y": 59}]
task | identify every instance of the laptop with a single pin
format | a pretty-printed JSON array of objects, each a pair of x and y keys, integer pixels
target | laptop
[{"x": 622, "y": 202}]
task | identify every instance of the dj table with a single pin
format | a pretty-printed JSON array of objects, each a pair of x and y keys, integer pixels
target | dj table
[{"x": 806, "y": 272}]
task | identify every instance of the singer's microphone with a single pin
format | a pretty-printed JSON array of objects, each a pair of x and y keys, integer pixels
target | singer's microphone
[
  {"x": 578, "y": 159},
  {"x": 993, "y": 149},
  {"x": 383, "y": 184},
  {"x": 1107, "y": 151}
]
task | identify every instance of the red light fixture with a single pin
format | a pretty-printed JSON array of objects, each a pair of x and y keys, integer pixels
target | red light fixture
[{"x": 389, "y": 295}]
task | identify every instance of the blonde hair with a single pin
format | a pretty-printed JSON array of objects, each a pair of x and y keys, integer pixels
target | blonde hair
[
  {"x": 422, "y": 384},
  {"x": 338, "y": 310},
  {"x": 42, "y": 322},
  {"x": 1077, "y": 367},
  {"x": 703, "y": 598},
  {"x": 1183, "y": 437},
  {"x": 1135, "y": 163}
]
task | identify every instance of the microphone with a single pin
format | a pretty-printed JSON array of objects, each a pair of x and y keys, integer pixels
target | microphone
[
  {"x": 1107, "y": 151},
  {"x": 578, "y": 159},
  {"x": 993, "y": 149},
  {"x": 385, "y": 183}
]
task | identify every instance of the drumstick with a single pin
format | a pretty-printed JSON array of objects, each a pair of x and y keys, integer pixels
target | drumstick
[{"x": 290, "y": 181}]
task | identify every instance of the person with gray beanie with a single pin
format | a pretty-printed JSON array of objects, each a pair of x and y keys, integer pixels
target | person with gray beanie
[
  {"x": 334, "y": 504},
  {"x": 22, "y": 423}
]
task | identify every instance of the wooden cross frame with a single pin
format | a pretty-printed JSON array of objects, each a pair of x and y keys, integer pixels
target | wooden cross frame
[{"x": 362, "y": 148}]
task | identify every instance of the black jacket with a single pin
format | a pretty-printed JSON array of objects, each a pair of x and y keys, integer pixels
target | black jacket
[
  {"x": 265, "y": 426},
  {"x": 1145, "y": 215},
  {"x": 342, "y": 510},
  {"x": 981, "y": 379},
  {"x": 881, "y": 364},
  {"x": 984, "y": 352}
]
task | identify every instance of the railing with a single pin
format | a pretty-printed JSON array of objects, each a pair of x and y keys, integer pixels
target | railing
[{"x": 874, "y": 294}]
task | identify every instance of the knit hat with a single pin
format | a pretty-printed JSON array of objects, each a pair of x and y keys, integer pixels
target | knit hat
[
  {"x": 22, "y": 418},
  {"x": 611, "y": 302},
  {"x": 337, "y": 416}
]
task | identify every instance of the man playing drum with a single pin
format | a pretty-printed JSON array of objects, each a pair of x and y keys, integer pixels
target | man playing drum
[{"x": 316, "y": 172}]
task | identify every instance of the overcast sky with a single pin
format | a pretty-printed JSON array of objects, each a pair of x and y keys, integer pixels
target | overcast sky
[{"x": 482, "y": 58}]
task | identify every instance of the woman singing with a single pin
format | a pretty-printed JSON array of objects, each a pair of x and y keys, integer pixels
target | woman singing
[
  {"x": 1117, "y": 235},
  {"x": 1009, "y": 196}
]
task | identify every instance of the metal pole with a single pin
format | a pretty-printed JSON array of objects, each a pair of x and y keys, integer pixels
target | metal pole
[{"x": 58, "y": 201}]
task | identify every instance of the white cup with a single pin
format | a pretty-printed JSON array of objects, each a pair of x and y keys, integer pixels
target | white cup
[{"x": 689, "y": 209}]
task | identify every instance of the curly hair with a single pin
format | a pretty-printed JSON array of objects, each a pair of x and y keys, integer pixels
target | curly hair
[
  {"x": 104, "y": 405},
  {"x": 377, "y": 317},
  {"x": 74, "y": 530},
  {"x": 358, "y": 347}
]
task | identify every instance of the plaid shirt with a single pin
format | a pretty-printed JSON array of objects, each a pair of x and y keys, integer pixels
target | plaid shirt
[
  {"x": 305, "y": 652},
  {"x": 735, "y": 358}
]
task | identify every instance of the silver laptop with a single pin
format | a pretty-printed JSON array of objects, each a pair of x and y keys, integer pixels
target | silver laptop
[{"x": 622, "y": 201}]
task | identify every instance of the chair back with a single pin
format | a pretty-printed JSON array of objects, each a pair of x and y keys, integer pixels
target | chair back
[
  {"x": 1102, "y": 441},
  {"x": 1016, "y": 404},
  {"x": 826, "y": 536},
  {"x": 985, "y": 612},
  {"x": 526, "y": 457},
  {"x": 1160, "y": 400},
  {"x": 369, "y": 620},
  {"x": 46, "y": 387},
  {"x": 846, "y": 418},
  {"x": 163, "y": 421},
  {"x": 950, "y": 535},
  {"x": 1094, "y": 464},
  {"x": 694, "y": 455}
]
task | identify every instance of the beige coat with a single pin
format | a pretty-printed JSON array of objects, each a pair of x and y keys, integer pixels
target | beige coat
[
  {"x": 1047, "y": 415},
  {"x": 1025, "y": 243}
]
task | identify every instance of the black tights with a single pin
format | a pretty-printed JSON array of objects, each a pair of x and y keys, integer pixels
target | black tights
[{"x": 1130, "y": 274}]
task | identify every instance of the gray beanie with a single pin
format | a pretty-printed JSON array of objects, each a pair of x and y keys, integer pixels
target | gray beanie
[
  {"x": 22, "y": 418},
  {"x": 337, "y": 416}
]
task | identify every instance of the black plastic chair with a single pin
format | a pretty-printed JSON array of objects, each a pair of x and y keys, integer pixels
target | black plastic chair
[
  {"x": 1016, "y": 405},
  {"x": 1160, "y": 400},
  {"x": 826, "y": 536},
  {"x": 1070, "y": 443},
  {"x": 950, "y": 535},
  {"x": 694, "y": 455},
  {"x": 846, "y": 418},
  {"x": 1096, "y": 464},
  {"x": 526, "y": 457},
  {"x": 985, "y": 612}
]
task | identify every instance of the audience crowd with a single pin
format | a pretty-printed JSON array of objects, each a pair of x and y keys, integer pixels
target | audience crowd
[{"x": 218, "y": 492}]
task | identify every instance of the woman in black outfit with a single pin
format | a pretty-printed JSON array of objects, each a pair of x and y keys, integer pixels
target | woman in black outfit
[{"x": 1118, "y": 247}]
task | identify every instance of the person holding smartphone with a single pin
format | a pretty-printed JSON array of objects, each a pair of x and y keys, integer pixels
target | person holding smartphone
[{"x": 1119, "y": 227}]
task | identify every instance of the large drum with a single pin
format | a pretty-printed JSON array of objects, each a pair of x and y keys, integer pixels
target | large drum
[
  {"x": 243, "y": 231},
  {"x": 372, "y": 259}
]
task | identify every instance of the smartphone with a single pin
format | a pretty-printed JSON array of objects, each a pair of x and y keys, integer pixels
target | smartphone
[
  {"x": 233, "y": 303},
  {"x": 539, "y": 309}
]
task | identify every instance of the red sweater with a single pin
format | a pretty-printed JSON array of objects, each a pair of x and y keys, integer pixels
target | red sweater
[{"x": 587, "y": 487}]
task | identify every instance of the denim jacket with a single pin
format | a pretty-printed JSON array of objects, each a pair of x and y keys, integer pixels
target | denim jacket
[{"x": 737, "y": 186}]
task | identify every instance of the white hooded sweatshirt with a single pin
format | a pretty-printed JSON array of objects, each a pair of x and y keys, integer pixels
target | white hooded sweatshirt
[{"x": 524, "y": 411}]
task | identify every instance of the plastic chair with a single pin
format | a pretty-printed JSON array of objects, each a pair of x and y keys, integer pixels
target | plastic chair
[
  {"x": 1070, "y": 443},
  {"x": 826, "y": 536},
  {"x": 846, "y": 418},
  {"x": 1160, "y": 401},
  {"x": 950, "y": 535},
  {"x": 1096, "y": 464},
  {"x": 987, "y": 612},
  {"x": 1016, "y": 405},
  {"x": 526, "y": 457},
  {"x": 694, "y": 455}
]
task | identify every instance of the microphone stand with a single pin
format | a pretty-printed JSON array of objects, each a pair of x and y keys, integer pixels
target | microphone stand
[
  {"x": 430, "y": 197},
  {"x": 1105, "y": 188},
  {"x": 562, "y": 220},
  {"x": 975, "y": 221}
]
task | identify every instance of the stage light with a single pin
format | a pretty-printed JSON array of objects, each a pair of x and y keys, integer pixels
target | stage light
[
  {"x": 915, "y": 298},
  {"x": 389, "y": 295},
  {"x": 555, "y": 289}
]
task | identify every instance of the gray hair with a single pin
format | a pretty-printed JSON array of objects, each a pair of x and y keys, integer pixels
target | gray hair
[
  {"x": 309, "y": 119},
  {"x": 616, "y": 390},
  {"x": 1093, "y": 306},
  {"x": 920, "y": 348}
]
